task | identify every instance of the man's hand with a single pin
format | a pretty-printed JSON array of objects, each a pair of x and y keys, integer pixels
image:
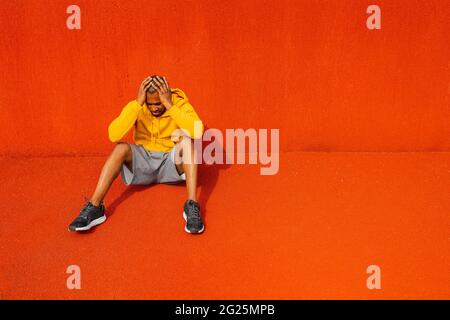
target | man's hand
[
  {"x": 162, "y": 86},
  {"x": 142, "y": 93}
]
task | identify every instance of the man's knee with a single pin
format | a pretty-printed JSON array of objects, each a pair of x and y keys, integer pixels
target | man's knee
[
  {"x": 185, "y": 153},
  {"x": 186, "y": 142},
  {"x": 123, "y": 151}
]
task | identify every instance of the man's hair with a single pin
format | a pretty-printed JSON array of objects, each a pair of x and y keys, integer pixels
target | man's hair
[{"x": 151, "y": 89}]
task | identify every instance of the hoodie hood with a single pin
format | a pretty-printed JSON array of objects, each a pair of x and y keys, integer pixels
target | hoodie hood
[{"x": 179, "y": 98}]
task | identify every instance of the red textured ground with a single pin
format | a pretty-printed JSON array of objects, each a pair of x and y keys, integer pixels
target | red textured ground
[{"x": 308, "y": 232}]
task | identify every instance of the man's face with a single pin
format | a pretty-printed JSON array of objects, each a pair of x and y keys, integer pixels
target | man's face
[{"x": 154, "y": 104}]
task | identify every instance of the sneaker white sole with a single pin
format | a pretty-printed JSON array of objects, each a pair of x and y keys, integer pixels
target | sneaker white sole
[
  {"x": 185, "y": 227},
  {"x": 93, "y": 223}
]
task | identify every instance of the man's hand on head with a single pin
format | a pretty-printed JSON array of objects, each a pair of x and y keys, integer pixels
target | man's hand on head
[
  {"x": 142, "y": 93},
  {"x": 162, "y": 86}
]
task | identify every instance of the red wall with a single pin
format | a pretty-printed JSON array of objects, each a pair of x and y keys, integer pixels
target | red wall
[{"x": 310, "y": 68}]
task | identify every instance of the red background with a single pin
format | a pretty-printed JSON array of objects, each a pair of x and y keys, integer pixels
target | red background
[{"x": 310, "y": 68}]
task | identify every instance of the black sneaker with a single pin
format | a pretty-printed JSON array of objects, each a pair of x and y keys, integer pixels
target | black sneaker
[
  {"x": 90, "y": 216},
  {"x": 192, "y": 216}
]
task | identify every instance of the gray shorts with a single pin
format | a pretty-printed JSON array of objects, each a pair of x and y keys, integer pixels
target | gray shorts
[{"x": 151, "y": 167}]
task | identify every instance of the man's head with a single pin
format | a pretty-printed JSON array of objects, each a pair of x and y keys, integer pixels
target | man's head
[{"x": 153, "y": 102}]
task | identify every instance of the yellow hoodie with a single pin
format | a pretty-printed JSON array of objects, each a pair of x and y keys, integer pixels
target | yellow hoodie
[{"x": 155, "y": 133}]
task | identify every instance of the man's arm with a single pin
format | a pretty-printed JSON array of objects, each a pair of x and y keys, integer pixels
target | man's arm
[
  {"x": 182, "y": 113},
  {"x": 120, "y": 126}
]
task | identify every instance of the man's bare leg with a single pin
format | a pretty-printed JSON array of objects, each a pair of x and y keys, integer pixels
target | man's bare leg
[
  {"x": 111, "y": 169},
  {"x": 93, "y": 213},
  {"x": 184, "y": 160}
]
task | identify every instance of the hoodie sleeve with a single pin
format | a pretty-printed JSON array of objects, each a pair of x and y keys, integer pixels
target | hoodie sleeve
[
  {"x": 187, "y": 119},
  {"x": 120, "y": 126}
]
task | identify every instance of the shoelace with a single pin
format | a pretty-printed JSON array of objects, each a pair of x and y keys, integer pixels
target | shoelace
[
  {"x": 195, "y": 211},
  {"x": 84, "y": 212}
]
